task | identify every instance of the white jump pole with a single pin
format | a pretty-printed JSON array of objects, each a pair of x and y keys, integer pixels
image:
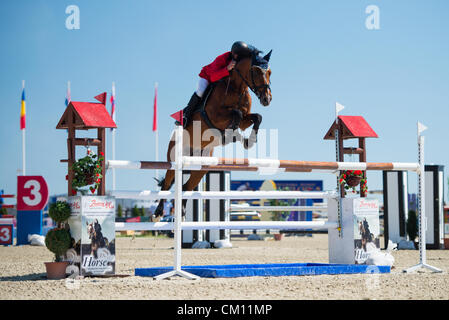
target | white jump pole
[
  {"x": 278, "y": 208},
  {"x": 422, "y": 221},
  {"x": 227, "y": 195},
  {"x": 178, "y": 211},
  {"x": 231, "y": 225}
]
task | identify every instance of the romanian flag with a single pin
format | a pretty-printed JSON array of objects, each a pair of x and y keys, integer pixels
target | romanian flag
[
  {"x": 23, "y": 110},
  {"x": 155, "y": 109}
]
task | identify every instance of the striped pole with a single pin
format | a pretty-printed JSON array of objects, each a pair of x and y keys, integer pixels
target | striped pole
[
  {"x": 225, "y": 164},
  {"x": 422, "y": 221}
]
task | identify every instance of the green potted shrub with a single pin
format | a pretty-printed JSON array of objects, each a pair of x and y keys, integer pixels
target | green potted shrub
[
  {"x": 412, "y": 226},
  {"x": 58, "y": 240}
]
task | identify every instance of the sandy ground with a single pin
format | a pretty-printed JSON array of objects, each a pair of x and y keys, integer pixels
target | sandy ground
[{"x": 22, "y": 274}]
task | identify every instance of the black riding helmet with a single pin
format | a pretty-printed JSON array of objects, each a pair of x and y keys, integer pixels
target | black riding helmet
[{"x": 241, "y": 49}]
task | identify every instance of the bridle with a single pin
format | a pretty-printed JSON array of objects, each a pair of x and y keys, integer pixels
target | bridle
[{"x": 253, "y": 87}]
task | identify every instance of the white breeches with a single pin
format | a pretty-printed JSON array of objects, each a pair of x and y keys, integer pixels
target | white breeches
[{"x": 202, "y": 86}]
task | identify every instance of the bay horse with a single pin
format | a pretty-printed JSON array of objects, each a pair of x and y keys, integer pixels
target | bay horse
[
  {"x": 225, "y": 108},
  {"x": 96, "y": 237}
]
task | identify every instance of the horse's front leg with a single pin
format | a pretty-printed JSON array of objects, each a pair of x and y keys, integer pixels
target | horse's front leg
[
  {"x": 192, "y": 183},
  {"x": 254, "y": 119},
  {"x": 237, "y": 117},
  {"x": 165, "y": 183}
]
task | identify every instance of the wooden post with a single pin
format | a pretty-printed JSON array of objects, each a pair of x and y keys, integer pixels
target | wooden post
[
  {"x": 70, "y": 150},
  {"x": 341, "y": 152},
  {"x": 362, "y": 158}
]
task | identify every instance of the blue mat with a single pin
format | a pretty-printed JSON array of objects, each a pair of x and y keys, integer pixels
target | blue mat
[{"x": 272, "y": 270}]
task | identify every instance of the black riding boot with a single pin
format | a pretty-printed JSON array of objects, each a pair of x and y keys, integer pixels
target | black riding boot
[{"x": 190, "y": 109}]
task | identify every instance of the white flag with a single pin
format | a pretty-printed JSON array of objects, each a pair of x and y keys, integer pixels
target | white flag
[
  {"x": 421, "y": 128},
  {"x": 338, "y": 108}
]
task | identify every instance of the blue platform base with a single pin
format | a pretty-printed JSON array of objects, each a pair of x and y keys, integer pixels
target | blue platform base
[
  {"x": 28, "y": 222},
  {"x": 264, "y": 270}
]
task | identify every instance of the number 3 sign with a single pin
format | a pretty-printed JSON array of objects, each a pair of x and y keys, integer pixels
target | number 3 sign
[{"x": 32, "y": 193}]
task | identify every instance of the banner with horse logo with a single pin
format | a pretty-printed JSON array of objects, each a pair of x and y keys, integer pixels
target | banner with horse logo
[
  {"x": 366, "y": 228},
  {"x": 92, "y": 227}
]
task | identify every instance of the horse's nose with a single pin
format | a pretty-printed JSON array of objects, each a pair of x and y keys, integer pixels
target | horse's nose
[{"x": 266, "y": 100}]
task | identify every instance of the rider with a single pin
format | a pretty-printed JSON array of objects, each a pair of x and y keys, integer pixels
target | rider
[{"x": 213, "y": 72}]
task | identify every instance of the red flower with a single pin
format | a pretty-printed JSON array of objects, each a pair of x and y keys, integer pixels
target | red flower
[
  {"x": 98, "y": 174},
  {"x": 358, "y": 172},
  {"x": 67, "y": 177},
  {"x": 92, "y": 189},
  {"x": 98, "y": 166},
  {"x": 344, "y": 176},
  {"x": 102, "y": 153},
  {"x": 341, "y": 180},
  {"x": 73, "y": 192}
]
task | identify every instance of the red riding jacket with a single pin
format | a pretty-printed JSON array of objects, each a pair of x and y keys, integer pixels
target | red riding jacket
[{"x": 217, "y": 69}]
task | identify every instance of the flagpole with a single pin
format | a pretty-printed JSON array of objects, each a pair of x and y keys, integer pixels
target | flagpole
[
  {"x": 156, "y": 133},
  {"x": 23, "y": 142},
  {"x": 113, "y": 139}
]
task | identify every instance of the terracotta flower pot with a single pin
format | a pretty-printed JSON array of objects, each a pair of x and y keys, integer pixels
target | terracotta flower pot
[
  {"x": 278, "y": 236},
  {"x": 353, "y": 181},
  {"x": 446, "y": 243},
  {"x": 56, "y": 270}
]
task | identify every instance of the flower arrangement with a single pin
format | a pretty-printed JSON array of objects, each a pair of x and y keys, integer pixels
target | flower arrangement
[
  {"x": 87, "y": 171},
  {"x": 352, "y": 178}
]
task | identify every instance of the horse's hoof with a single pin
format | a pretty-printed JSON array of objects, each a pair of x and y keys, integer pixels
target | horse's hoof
[{"x": 249, "y": 143}]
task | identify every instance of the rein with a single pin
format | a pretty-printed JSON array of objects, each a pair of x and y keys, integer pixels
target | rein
[{"x": 253, "y": 88}]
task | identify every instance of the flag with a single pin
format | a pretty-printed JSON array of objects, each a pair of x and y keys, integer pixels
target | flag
[
  {"x": 67, "y": 97},
  {"x": 338, "y": 107},
  {"x": 23, "y": 109},
  {"x": 421, "y": 128},
  {"x": 178, "y": 116},
  {"x": 113, "y": 104},
  {"x": 102, "y": 98},
  {"x": 155, "y": 109}
]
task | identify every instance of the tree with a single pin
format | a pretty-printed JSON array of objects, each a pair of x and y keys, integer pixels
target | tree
[
  {"x": 119, "y": 211},
  {"x": 142, "y": 211},
  {"x": 135, "y": 211}
]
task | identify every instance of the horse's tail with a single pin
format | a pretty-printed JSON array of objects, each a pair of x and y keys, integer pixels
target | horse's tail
[{"x": 160, "y": 182}]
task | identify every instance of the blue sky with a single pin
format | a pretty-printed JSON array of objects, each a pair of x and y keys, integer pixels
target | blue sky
[{"x": 322, "y": 53}]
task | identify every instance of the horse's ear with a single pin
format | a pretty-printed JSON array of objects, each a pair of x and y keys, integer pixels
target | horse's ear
[{"x": 268, "y": 55}]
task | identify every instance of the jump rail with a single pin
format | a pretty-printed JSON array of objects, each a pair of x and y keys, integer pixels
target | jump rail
[
  {"x": 220, "y": 195},
  {"x": 228, "y": 164},
  {"x": 233, "y": 225},
  {"x": 279, "y": 208}
]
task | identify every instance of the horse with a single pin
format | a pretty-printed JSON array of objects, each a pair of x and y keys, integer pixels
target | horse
[
  {"x": 365, "y": 233},
  {"x": 96, "y": 237},
  {"x": 225, "y": 108}
]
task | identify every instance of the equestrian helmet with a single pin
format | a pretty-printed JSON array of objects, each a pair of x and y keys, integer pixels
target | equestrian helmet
[{"x": 241, "y": 49}]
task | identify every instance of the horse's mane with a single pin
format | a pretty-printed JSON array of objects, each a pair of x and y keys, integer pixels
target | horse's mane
[{"x": 257, "y": 59}]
